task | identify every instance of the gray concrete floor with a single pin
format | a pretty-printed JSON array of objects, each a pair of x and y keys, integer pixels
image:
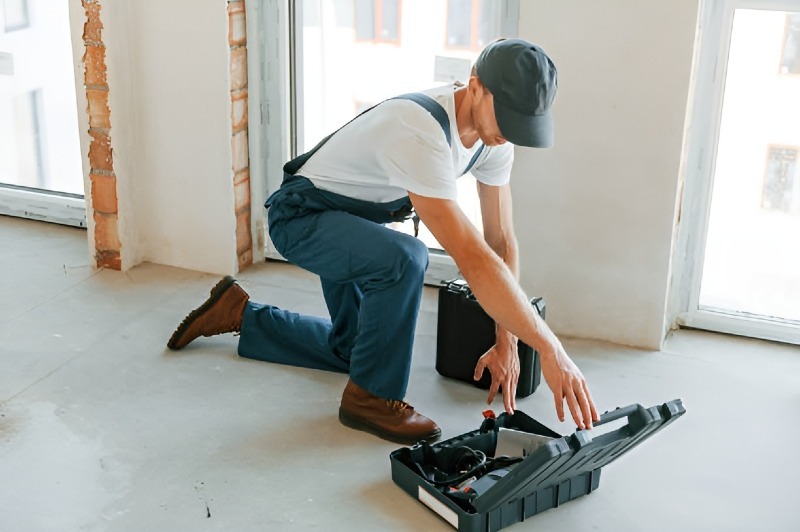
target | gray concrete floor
[{"x": 103, "y": 428}]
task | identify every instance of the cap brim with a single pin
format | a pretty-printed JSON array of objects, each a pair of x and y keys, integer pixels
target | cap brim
[{"x": 532, "y": 131}]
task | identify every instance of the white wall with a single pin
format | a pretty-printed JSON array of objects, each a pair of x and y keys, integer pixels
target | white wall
[
  {"x": 595, "y": 214},
  {"x": 168, "y": 76}
]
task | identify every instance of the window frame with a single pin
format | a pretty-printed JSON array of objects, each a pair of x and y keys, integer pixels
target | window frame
[
  {"x": 700, "y": 147},
  {"x": 42, "y": 204}
]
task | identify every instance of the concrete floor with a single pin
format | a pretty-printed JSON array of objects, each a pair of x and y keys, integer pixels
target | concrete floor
[{"x": 103, "y": 428}]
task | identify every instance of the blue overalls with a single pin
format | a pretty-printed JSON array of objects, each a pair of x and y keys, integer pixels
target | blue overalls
[{"x": 372, "y": 279}]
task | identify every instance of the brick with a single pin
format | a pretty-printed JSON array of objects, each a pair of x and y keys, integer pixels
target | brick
[
  {"x": 104, "y": 193},
  {"x": 238, "y": 68},
  {"x": 106, "y": 234},
  {"x": 94, "y": 60},
  {"x": 244, "y": 240},
  {"x": 245, "y": 259},
  {"x": 241, "y": 151},
  {"x": 237, "y": 24},
  {"x": 241, "y": 195},
  {"x": 242, "y": 175},
  {"x": 93, "y": 26},
  {"x": 108, "y": 259},
  {"x": 239, "y": 110},
  {"x": 99, "y": 113},
  {"x": 100, "y": 154}
]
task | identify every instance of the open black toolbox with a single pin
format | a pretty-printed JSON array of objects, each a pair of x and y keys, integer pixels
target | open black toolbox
[{"x": 559, "y": 470}]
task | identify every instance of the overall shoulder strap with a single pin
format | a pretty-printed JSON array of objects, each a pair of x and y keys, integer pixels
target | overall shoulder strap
[
  {"x": 433, "y": 107},
  {"x": 423, "y": 100},
  {"x": 438, "y": 112}
]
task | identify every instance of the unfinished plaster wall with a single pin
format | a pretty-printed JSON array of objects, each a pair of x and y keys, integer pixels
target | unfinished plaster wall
[{"x": 172, "y": 184}]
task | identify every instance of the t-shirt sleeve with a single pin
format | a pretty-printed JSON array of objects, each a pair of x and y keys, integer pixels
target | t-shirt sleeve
[
  {"x": 418, "y": 158},
  {"x": 495, "y": 167}
]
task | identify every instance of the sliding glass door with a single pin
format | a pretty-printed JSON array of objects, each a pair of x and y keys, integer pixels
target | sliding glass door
[{"x": 40, "y": 160}]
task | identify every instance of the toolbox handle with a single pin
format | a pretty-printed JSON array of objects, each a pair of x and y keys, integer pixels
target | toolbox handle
[{"x": 619, "y": 413}]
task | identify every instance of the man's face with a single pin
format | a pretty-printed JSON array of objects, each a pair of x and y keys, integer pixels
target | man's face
[{"x": 483, "y": 116}]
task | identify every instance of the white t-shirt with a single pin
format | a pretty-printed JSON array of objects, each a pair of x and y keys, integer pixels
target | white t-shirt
[{"x": 399, "y": 147}]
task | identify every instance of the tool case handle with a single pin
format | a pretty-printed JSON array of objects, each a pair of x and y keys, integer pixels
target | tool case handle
[{"x": 619, "y": 413}]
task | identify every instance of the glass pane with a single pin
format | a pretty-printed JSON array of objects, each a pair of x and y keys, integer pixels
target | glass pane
[
  {"x": 791, "y": 45},
  {"x": 489, "y": 23},
  {"x": 16, "y": 14},
  {"x": 752, "y": 261},
  {"x": 364, "y": 17},
  {"x": 459, "y": 23},
  {"x": 390, "y": 19},
  {"x": 39, "y": 143},
  {"x": 374, "y": 71}
]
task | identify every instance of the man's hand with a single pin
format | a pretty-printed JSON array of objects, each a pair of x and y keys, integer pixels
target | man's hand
[
  {"x": 500, "y": 295},
  {"x": 566, "y": 382},
  {"x": 502, "y": 361}
]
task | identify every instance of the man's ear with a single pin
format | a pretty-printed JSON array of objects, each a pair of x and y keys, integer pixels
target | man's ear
[{"x": 477, "y": 87}]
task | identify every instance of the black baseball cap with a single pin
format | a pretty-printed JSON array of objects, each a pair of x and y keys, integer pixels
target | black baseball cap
[{"x": 523, "y": 82}]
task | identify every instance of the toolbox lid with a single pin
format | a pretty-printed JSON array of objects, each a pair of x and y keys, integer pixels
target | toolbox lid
[{"x": 576, "y": 454}]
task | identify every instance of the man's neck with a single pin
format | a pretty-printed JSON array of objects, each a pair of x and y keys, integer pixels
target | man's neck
[{"x": 464, "y": 122}]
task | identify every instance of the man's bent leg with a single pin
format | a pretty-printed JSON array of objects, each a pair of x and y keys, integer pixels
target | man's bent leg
[
  {"x": 344, "y": 304},
  {"x": 389, "y": 268},
  {"x": 275, "y": 335}
]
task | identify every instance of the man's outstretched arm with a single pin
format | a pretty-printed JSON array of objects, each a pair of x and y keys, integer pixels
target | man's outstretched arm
[
  {"x": 498, "y": 232},
  {"x": 501, "y": 297}
]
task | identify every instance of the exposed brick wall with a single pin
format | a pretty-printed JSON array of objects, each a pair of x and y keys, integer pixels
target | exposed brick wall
[
  {"x": 105, "y": 211},
  {"x": 237, "y": 40},
  {"x": 101, "y": 161}
]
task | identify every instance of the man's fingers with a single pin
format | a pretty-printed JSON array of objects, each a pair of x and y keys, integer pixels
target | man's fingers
[
  {"x": 479, "y": 367},
  {"x": 583, "y": 402},
  {"x": 574, "y": 408},
  {"x": 558, "y": 396},
  {"x": 492, "y": 393},
  {"x": 595, "y": 417},
  {"x": 508, "y": 396}
]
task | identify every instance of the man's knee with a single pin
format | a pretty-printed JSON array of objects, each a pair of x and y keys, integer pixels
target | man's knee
[{"x": 415, "y": 257}]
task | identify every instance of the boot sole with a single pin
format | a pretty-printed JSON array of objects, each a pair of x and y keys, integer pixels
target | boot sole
[
  {"x": 353, "y": 422},
  {"x": 213, "y": 297}
]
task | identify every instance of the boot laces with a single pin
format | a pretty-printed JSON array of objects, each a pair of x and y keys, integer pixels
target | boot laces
[{"x": 399, "y": 406}]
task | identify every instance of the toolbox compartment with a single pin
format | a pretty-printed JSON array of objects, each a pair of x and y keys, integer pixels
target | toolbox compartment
[{"x": 560, "y": 470}]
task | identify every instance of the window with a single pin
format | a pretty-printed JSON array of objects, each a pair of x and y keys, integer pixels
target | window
[
  {"x": 780, "y": 191},
  {"x": 790, "y": 59},
  {"x": 15, "y": 15},
  {"x": 741, "y": 206},
  {"x": 472, "y": 24},
  {"x": 27, "y": 134},
  {"x": 377, "y": 20},
  {"x": 41, "y": 173},
  {"x": 333, "y": 72}
]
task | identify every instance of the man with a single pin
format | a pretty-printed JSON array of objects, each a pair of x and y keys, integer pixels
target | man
[{"x": 328, "y": 217}]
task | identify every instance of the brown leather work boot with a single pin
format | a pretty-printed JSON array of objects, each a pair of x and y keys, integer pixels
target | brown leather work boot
[
  {"x": 220, "y": 314},
  {"x": 389, "y": 419}
]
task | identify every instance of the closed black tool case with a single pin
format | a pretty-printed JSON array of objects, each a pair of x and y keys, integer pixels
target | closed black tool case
[
  {"x": 466, "y": 483},
  {"x": 464, "y": 332}
]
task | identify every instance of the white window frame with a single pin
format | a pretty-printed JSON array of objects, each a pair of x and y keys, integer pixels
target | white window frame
[
  {"x": 702, "y": 135},
  {"x": 276, "y": 119},
  {"x": 42, "y": 204}
]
